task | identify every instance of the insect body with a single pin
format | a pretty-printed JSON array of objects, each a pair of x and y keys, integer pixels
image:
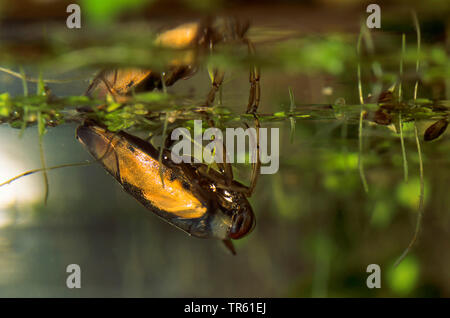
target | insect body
[
  {"x": 203, "y": 202},
  {"x": 183, "y": 195}
]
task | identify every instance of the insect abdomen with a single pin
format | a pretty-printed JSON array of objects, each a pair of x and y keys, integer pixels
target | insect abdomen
[{"x": 138, "y": 170}]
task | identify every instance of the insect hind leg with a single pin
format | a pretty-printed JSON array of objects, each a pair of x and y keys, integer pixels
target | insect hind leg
[
  {"x": 254, "y": 79},
  {"x": 217, "y": 81}
]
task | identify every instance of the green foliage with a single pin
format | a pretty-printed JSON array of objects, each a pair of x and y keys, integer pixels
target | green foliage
[
  {"x": 408, "y": 194},
  {"x": 382, "y": 214},
  {"x": 104, "y": 12},
  {"x": 316, "y": 55},
  {"x": 403, "y": 278},
  {"x": 5, "y": 105}
]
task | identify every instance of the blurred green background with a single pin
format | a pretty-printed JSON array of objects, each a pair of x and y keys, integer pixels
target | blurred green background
[{"x": 317, "y": 230}]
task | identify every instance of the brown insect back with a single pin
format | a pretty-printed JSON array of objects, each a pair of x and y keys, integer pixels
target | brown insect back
[
  {"x": 131, "y": 165},
  {"x": 189, "y": 200}
]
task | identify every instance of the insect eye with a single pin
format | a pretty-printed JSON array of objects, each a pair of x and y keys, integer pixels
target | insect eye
[{"x": 242, "y": 224}]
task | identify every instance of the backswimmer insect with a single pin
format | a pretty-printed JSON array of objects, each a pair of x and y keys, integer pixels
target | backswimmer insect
[
  {"x": 203, "y": 202},
  {"x": 188, "y": 196}
]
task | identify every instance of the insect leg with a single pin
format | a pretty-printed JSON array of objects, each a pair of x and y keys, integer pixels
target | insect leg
[
  {"x": 224, "y": 166},
  {"x": 257, "y": 165},
  {"x": 229, "y": 245},
  {"x": 216, "y": 82},
  {"x": 255, "y": 89},
  {"x": 101, "y": 78},
  {"x": 217, "y": 177},
  {"x": 229, "y": 183},
  {"x": 252, "y": 107}
]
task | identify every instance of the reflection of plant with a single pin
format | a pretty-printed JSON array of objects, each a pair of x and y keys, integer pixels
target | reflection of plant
[{"x": 391, "y": 105}]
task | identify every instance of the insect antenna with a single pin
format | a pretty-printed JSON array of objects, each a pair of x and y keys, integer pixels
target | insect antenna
[{"x": 30, "y": 172}]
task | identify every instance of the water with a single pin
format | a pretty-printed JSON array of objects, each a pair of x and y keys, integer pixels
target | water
[{"x": 317, "y": 229}]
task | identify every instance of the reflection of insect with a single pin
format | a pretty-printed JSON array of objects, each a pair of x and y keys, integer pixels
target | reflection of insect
[
  {"x": 194, "y": 39},
  {"x": 191, "y": 197},
  {"x": 436, "y": 130},
  {"x": 203, "y": 202}
]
